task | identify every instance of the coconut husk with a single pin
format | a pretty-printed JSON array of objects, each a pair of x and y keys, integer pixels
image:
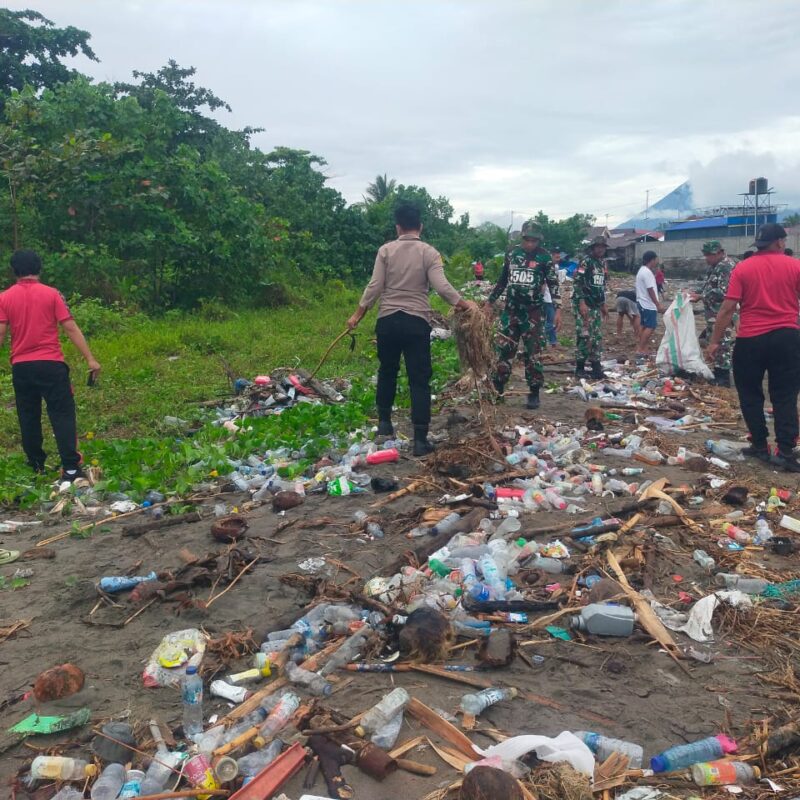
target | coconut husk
[
  {"x": 560, "y": 782},
  {"x": 472, "y": 330},
  {"x": 488, "y": 783},
  {"x": 426, "y": 636}
]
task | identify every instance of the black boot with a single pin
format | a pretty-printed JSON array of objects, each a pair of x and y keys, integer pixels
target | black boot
[
  {"x": 597, "y": 371},
  {"x": 722, "y": 377},
  {"x": 385, "y": 427},
  {"x": 533, "y": 398},
  {"x": 498, "y": 385},
  {"x": 422, "y": 447},
  {"x": 580, "y": 369}
]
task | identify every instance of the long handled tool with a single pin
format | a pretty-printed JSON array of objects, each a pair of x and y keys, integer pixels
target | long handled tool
[{"x": 330, "y": 347}]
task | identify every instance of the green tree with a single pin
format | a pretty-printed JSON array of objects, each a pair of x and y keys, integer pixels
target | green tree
[
  {"x": 380, "y": 189},
  {"x": 566, "y": 234},
  {"x": 32, "y": 49},
  {"x": 791, "y": 220}
]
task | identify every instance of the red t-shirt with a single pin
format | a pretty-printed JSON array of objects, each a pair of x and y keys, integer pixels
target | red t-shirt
[
  {"x": 33, "y": 311},
  {"x": 766, "y": 286}
]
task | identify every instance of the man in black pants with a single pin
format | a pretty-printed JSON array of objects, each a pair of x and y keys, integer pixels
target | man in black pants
[
  {"x": 33, "y": 312},
  {"x": 405, "y": 271},
  {"x": 767, "y": 287}
]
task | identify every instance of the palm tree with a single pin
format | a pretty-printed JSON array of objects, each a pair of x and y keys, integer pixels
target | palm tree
[{"x": 380, "y": 189}]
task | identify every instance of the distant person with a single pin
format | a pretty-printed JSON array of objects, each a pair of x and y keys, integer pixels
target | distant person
[
  {"x": 32, "y": 312},
  {"x": 789, "y": 252},
  {"x": 589, "y": 307},
  {"x": 712, "y": 294},
  {"x": 660, "y": 280},
  {"x": 405, "y": 270},
  {"x": 477, "y": 268},
  {"x": 766, "y": 288},
  {"x": 528, "y": 267},
  {"x": 626, "y": 307},
  {"x": 549, "y": 306},
  {"x": 647, "y": 300}
]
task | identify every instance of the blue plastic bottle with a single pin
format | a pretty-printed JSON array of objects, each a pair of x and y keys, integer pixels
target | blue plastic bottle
[{"x": 684, "y": 755}]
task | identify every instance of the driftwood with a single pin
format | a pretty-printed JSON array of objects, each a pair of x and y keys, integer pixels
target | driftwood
[{"x": 158, "y": 524}]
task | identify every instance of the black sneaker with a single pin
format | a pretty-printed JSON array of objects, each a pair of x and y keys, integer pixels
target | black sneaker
[
  {"x": 761, "y": 453},
  {"x": 499, "y": 387},
  {"x": 597, "y": 371},
  {"x": 72, "y": 475},
  {"x": 533, "y": 399},
  {"x": 580, "y": 369},
  {"x": 788, "y": 463}
]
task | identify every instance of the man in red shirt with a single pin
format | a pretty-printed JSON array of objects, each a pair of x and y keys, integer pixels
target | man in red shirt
[
  {"x": 33, "y": 312},
  {"x": 766, "y": 287}
]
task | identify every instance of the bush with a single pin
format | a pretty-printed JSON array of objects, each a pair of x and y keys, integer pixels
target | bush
[{"x": 95, "y": 318}]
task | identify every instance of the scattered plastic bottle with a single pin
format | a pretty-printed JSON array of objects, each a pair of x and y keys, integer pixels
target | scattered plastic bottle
[
  {"x": 133, "y": 784},
  {"x": 251, "y": 764},
  {"x": 347, "y": 652},
  {"x": 763, "y": 531},
  {"x": 192, "y": 698},
  {"x": 279, "y": 716},
  {"x": 121, "y": 583},
  {"x": 603, "y": 619},
  {"x": 491, "y": 576},
  {"x": 552, "y": 565},
  {"x": 61, "y": 768},
  {"x": 67, "y": 793},
  {"x": 447, "y": 524},
  {"x": 604, "y": 746},
  {"x": 790, "y": 523},
  {"x": 684, "y": 755},
  {"x": 254, "y": 674},
  {"x": 724, "y": 773},
  {"x": 236, "y": 694},
  {"x": 389, "y": 707},
  {"x": 735, "y": 533},
  {"x": 475, "y": 703},
  {"x": 704, "y": 560},
  {"x": 741, "y": 582},
  {"x": 315, "y": 684},
  {"x": 109, "y": 782},
  {"x": 386, "y": 736}
]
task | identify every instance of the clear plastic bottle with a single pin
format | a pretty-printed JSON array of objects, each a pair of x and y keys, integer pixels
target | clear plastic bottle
[
  {"x": 735, "y": 533},
  {"x": 67, "y": 793},
  {"x": 386, "y": 736},
  {"x": 492, "y": 578},
  {"x": 133, "y": 784},
  {"x": 108, "y": 783},
  {"x": 161, "y": 769},
  {"x": 447, "y": 524},
  {"x": 684, "y": 755},
  {"x": 279, "y": 716},
  {"x": 724, "y": 773},
  {"x": 507, "y": 527},
  {"x": 552, "y": 565},
  {"x": 347, "y": 652},
  {"x": 704, "y": 560},
  {"x": 763, "y": 531},
  {"x": 475, "y": 703},
  {"x": 192, "y": 698},
  {"x": 251, "y": 764},
  {"x": 61, "y": 768},
  {"x": 315, "y": 684},
  {"x": 604, "y": 746},
  {"x": 743, "y": 583},
  {"x": 386, "y": 709}
]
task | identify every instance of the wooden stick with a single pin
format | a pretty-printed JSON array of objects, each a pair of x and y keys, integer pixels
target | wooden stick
[
  {"x": 185, "y": 793},
  {"x": 232, "y": 583},
  {"x": 147, "y": 605},
  {"x": 430, "y": 719},
  {"x": 327, "y": 353},
  {"x": 390, "y": 498},
  {"x": 415, "y": 767}
]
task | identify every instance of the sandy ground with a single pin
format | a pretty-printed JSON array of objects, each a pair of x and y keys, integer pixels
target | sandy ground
[{"x": 644, "y": 695}]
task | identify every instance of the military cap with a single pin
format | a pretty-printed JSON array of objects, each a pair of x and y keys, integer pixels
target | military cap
[
  {"x": 597, "y": 240},
  {"x": 712, "y": 248},
  {"x": 531, "y": 229}
]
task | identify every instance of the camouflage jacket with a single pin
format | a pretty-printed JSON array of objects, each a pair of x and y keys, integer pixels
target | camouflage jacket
[
  {"x": 524, "y": 276},
  {"x": 716, "y": 285},
  {"x": 589, "y": 282}
]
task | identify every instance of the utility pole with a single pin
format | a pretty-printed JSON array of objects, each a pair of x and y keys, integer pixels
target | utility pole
[{"x": 647, "y": 204}]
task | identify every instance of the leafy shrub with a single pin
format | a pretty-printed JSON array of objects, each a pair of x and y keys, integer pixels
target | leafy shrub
[{"x": 96, "y": 318}]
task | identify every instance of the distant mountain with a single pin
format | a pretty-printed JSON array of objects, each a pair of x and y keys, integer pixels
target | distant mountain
[{"x": 678, "y": 203}]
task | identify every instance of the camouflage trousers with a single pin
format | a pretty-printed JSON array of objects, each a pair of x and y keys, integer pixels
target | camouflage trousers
[
  {"x": 723, "y": 358},
  {"x": 588, "y": 334},
  {"x": 525, "y": 324}
]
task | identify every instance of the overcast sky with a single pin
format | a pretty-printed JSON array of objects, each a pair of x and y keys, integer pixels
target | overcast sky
[{"x": 501, "y": 105}]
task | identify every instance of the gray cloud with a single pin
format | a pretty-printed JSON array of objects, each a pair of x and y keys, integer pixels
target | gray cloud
[{"x": 565, "y": 106}]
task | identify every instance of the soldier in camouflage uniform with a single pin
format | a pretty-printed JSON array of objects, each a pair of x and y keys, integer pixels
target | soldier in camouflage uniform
[
  {"x": 528, "y": 267},
  {"x": 712, "y": 294},
  {"x": 589, "y": 306}
]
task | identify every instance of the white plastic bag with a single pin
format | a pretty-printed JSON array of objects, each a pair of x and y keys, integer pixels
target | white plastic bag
[
  {"x": 564, "y": 747},
  {"x": 680, "y": 349}
]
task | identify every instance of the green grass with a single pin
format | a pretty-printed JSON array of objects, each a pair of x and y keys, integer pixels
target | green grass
[{"x": 153, "y": 368}]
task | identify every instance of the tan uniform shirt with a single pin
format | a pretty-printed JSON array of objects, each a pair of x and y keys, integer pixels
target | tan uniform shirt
[{"x": 405, "y": 271}]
